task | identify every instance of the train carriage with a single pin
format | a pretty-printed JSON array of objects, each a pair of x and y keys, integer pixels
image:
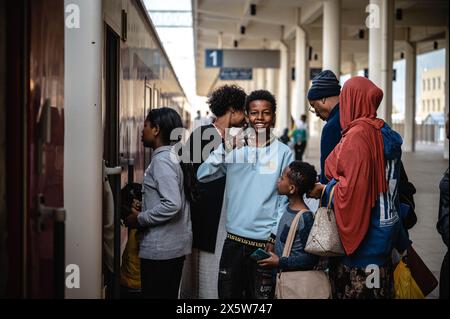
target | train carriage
[{"x": 77, "y": 80}]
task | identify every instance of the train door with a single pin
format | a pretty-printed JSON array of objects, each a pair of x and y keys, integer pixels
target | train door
[
  {"x": 35, "y": 148},
  {"x": 112, "y": 158}
]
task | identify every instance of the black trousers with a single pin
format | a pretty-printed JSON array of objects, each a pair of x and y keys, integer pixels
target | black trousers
[
  {"x": 240, "y": 277},
  {"x": 299, "y": 151},
  {"x": 160, "y": 279},
  {"x": 443, "y": 280}
]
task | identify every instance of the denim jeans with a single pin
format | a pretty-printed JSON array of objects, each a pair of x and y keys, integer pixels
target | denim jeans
[{"x": 240, "y": 277}]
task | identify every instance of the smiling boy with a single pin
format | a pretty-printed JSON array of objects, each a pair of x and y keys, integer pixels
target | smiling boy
[{"x": 253, "y": 206}]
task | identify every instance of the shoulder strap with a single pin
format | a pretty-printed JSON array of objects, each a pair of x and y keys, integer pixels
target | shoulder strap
[
  {"x": 330, "y": 199},
  {"x": 291, "y": 235},
  {"x": 321, "y": 196}
]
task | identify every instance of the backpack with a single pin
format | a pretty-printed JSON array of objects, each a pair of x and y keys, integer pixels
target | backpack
[{"x": 406, "y": 191}]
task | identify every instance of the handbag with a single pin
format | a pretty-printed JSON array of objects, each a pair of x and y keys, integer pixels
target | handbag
[
  {"x": 420, "y": 272},
  {"x": 309, "y": 284},
  {"x": 323, "y": 240}
]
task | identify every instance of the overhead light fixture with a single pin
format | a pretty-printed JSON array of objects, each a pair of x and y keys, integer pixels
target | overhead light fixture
[
  {"x": 253, "y": 9},
  {"x": 399, "y": 14},
  {"x": 361, "y": 34},
  {"x": 235, "y": 44},
  {"x": 242, "y": 29}
]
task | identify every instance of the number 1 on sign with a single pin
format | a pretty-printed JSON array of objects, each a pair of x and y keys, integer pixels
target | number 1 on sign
[{"x": 213, "y": 56}]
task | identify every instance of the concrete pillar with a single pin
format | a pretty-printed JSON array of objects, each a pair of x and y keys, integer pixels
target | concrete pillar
[
  {"x": 283, "y": 112},
  {"x": 409, "y": 138},
  {"x": 381, "y": 51},
  {"x": 447, "y": 65},
  {"x": 261, "y": 79},
  {"x": 276, "y": 86},
  {"x": 252, "y": 83},
  {"x": 332, "y": 36},
  {"x": 387, "y": 58},
  {"x": 353, "y": 66},
  {"x": 270, "y": 80},
  {"x": 300, "y": 73},
  {"x": 373, "y": 22},
  {"x": 83, "y": 95}
]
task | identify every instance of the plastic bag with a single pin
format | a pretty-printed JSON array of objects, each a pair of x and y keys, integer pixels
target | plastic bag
[{"x": 404, "y": 284}]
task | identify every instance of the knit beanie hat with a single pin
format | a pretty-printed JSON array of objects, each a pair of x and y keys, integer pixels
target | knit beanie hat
[{"x": 324, "y": 84}]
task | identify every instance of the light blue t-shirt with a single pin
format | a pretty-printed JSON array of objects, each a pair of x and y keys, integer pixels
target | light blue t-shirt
[{"x": 253, "y": 205}]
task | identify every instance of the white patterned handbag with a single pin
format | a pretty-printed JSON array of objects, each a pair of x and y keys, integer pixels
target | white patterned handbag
[
  {"x": 324, "y": 238},
  {"x": 303, "y": 284}
]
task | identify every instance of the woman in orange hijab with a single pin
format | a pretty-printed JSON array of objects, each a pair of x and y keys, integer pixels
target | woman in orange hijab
[{"x": 364, "y": 171}]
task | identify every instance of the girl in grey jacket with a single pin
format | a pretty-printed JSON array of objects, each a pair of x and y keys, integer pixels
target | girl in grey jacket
[{"x": 164, "y": 221}]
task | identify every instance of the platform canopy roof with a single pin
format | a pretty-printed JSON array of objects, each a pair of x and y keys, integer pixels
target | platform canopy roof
[{"x": 258, "y": 24}]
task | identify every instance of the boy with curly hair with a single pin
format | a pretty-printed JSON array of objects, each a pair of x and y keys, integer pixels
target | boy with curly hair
[
  {"x": 253, "y": 206},
  {"x": 201, "y": 267}
]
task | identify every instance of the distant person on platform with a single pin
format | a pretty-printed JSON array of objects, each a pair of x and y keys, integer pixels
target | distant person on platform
[
  {"x": 300, "y": 138},
  {"x": 442, "y": 227},
  {"x": 285, "y": 137},
  {"x": 209, "y": 119},
  {"x": 198, "y": 120},
  {"x": 323, "y": 98}
]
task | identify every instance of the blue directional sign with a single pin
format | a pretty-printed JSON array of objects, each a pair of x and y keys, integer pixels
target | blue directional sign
[
  {"x": 213, "y": 58},
  {"x": 228, "y": 74}
]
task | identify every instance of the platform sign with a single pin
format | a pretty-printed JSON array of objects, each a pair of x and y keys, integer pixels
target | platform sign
[
  {"x": 213, "y": 58},
  {"x": 229, "y": 74},
  {"x": 239, "y": 58},
  {"x": 242, "y": 59}
]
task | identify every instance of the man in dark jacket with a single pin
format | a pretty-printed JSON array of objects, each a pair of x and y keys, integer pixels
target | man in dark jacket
[
  {"x": 442, "y": 227},
  {"x": 323, "y": 98}
]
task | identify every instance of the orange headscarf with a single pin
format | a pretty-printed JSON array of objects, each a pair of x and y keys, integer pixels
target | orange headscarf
[{"x": 357, "y": 162}]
